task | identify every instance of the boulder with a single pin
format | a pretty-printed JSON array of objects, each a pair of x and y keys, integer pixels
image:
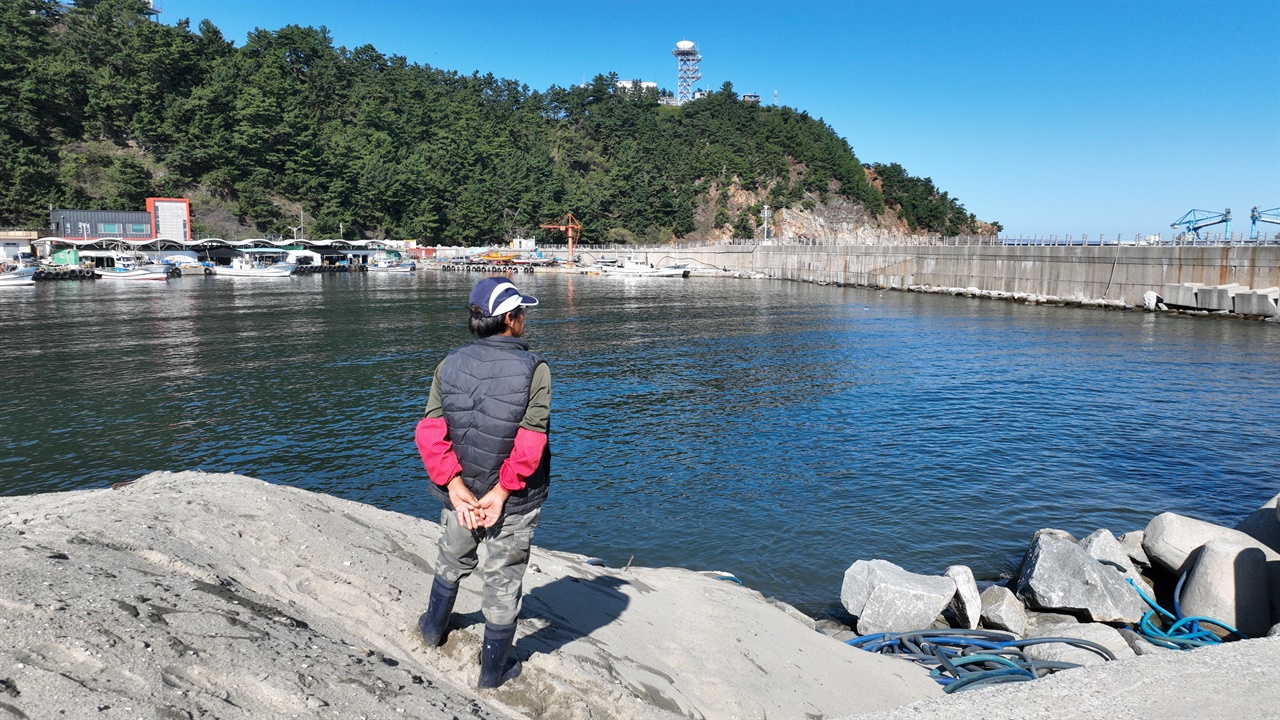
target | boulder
[
  {"x": 1060, "y": 575},
  {"x": 967, "y": 604},
  {"x": 1228, "y": 582},
  {"x": 886, "y": 598},
  {"x": 1132, "y": 544},
  {"x": 1039, "y": 623},
  {"x": 1104, "y": 635},
  {"x": 1106, "y": 549},
  {"x": 1263, "y": 524},
  {"x": 1140, "y": 645},
  {"x": 1001, "y": 610},
  {"x": 793, "y": 612},
  {"x": 1171, "y": 538},
  {"x": 1274, "y": 631}
]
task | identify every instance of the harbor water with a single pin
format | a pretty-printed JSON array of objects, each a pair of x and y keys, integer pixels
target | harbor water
[{"x": 774, "y": 430}]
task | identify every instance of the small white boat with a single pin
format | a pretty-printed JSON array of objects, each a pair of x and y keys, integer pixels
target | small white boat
[
  {"x": 18, "y": 277},
  {"x": 534, "y": 260},
  {"x": 634, "y": 268},
  {"x": 246, "y": 268},
  {"x": 403, "y": 267},
  {"x": 126, "y": 269}
]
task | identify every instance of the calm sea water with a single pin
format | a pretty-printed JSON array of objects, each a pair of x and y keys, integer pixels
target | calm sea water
[{"x": 775, "y": 430}]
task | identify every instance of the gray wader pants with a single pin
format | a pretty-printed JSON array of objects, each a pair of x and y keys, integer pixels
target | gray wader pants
[{"x": 506, "y": 547}]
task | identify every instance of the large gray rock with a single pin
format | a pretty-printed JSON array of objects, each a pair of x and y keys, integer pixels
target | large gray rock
[
  {"x": 1140, "y": 645},
  {"x": 1228, "y": 582},
  {"x": 1001, "y": 610},
  {"x": 1171, "y": 538},
  {"x": 1106, "y": 549},
  {"x": 1261, "y": 301},
  {"x": 886, "y": 598},
  {"x": 1132, "y": 544},
  {"x": 967, "y": 604},
  {"x": 1039, "y": 623},
  {"x": 1263, "y": 524},
  {"x": 1058, "y": 575},
  {"x": 1104, "y": 635}
]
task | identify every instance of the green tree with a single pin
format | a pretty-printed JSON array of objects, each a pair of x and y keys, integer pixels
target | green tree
[{"x": 130, "y": 184}]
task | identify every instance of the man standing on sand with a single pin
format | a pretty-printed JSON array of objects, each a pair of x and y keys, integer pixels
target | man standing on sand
[{"x": 484, "y": 445}]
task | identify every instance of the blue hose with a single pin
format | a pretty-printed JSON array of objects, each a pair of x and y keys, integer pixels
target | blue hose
[
  {"x": 1181, "y": 633},
  {"x": 962, "y": 659}
]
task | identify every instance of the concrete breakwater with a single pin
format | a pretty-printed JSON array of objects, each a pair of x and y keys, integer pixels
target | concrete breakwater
[{"x": 1120, "y": 273}]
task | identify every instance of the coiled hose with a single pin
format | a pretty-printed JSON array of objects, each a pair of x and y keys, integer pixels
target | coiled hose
[
  {"x": 1181, "y": 632},
  {"x": 963, "y": 659}
]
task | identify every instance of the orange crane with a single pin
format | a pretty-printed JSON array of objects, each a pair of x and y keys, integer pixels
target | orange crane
[{"x": 570, "y": 226}]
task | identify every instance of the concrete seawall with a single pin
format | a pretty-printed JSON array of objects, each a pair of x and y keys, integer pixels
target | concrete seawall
[{"x": 1086, "y": 272}]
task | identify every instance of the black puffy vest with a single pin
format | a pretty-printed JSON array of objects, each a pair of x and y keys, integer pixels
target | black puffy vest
[{"x": 484, "y": 391}]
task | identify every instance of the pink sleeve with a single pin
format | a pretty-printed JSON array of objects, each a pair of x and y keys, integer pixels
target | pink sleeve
[
  {"x": 436, "y": 449},
  {"x": 525, "y": 456}
]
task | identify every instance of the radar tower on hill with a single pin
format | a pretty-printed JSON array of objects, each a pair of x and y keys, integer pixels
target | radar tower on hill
[{"x": 687, "y": 59}]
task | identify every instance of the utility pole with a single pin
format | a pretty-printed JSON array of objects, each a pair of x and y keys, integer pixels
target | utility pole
[
  {"x": 302, "y": 223},
  {"x": 764, "y": 215}
]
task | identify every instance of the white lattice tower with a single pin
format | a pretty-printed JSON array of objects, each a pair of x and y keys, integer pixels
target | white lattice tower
[{"x": 687, "y": 59}]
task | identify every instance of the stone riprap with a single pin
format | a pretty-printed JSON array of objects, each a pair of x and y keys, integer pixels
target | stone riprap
[
  {"x": 1140, "y": 645},
  {"x": 1059, "y": 575},
  {"x": 1228, "y": 582},
  {"x": 1258, "y": 302},
  {"x": 1181, "y": 294},
  {"x": 1001, "y": 610},
  {"x": 1218, "y": 297},
  {"x": 1263, "y": 524},
  {"x": 886, "y": 598},
  {"x": 1104, "y": 635},
  {"x": 1132, "y": 544},
  {"x": 1170, "y": 539},
  {"x": 967, "y": 603},
  {"x": 1103, "y": 546}
]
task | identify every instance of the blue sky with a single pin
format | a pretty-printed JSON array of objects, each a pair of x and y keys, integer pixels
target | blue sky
[{"x": 1050, "y": 117}]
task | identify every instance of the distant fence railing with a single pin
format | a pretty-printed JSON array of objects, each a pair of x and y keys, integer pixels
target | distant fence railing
[{"x": 1216, "y": 240}]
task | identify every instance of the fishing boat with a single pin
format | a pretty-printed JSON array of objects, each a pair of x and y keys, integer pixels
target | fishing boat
[
  {"x": 536, "y": 259},
  {"x": 391, "y": 262},
  {"x": 126, "y": 268},
  {"x": 403, "y": 267},
  {"x": 498, "y": 257},
  {"x": 18, "y": 276},
  {"x": 635, "y": 268},
  {"x": 245, "y": 267}
]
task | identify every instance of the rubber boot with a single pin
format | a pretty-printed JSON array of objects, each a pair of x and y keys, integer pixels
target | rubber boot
[
  {"x": 493, "y": 655},
  {"x": 435, "y": 620}
]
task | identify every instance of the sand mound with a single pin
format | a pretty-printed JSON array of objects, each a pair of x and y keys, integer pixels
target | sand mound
[{"x": 205, "y": 595}]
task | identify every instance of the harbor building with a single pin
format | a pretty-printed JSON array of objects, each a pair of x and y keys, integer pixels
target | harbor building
[{"x": 164, "y": 219}]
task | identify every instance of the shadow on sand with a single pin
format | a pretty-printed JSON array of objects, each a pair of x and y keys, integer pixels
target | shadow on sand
[{"x": 574, "y": 607}]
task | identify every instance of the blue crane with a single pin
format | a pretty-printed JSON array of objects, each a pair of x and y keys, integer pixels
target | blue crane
[
  {"x": 1267, "y": 216},
  {"x": 1196, "y": 220}
]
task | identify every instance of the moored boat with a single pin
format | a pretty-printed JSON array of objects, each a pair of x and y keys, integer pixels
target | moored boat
[
  {"x": 244, "y": 267},
  {"x": 18, "y": 276},
  {"x": 635, "y": 268},
  {"x": 126, "y": 269}
]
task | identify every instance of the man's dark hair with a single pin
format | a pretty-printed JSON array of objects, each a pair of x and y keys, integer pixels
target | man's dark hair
[{"x": 482, "y": 326}]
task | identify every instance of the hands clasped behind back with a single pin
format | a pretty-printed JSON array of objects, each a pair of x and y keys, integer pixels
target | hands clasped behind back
[{"x": 476, "y": 513}]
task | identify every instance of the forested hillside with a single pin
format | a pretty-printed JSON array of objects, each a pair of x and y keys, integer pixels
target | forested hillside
[{"x": 101, "y": 107}]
